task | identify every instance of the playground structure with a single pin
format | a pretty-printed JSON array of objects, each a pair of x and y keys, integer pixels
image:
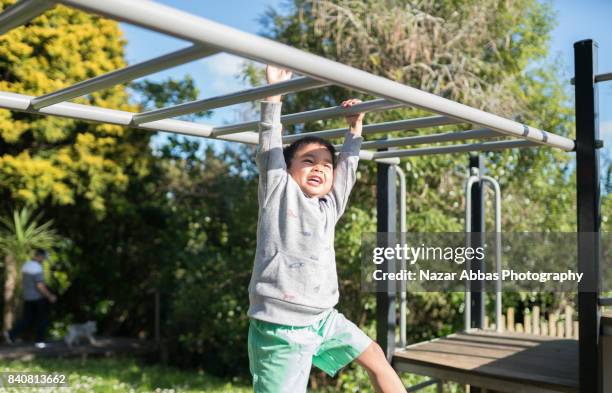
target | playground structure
[{"x": 568, "y": 366}]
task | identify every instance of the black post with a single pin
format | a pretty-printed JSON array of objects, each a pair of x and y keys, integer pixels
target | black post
[
  {"x": 477, "y": 287},
  {"x": 589, "y": 217},
  {"x": 386, "y": 226}
]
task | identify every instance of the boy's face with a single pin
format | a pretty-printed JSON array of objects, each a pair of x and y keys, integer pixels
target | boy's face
[{"x": 312, "y": 169}]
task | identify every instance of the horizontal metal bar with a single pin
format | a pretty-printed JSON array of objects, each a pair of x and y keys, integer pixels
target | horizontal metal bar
[
  {"x": 598, "y": 78},
  {"x": 123, "y": 75},
  {"x": 433, "y": 138},
  {"x": 314, "y": 115},
  {"x": 293, "y": 85},
  {"x": 183, "y": 25},
  {"x": 484, "y": 146},
  {"x": 399, "y": 125},
  {"x": 603, "y": 77},
  {"x": 369, "y": 155},
  {"x": 605, "y": 301},
  {"x": 22, "y": 103},
  {"x": 22, "y": 12}
]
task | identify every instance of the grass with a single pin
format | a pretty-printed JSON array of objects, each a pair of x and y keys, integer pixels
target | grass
[
  {"x": 103, "y": 375},
  {"x": 124, "y": 374}
]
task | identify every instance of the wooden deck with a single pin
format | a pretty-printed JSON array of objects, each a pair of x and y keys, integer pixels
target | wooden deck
[
  {"x": 105, "y": 346},
  {"x": 504, "y": 362}
]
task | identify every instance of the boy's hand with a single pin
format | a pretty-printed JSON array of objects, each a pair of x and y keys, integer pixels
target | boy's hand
[
  {"x": 355, "y": 121},
  {"x": 275, "y": 75}
]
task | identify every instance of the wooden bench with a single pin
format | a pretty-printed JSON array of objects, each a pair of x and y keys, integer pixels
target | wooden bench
[{"x": 503, "y": 362}]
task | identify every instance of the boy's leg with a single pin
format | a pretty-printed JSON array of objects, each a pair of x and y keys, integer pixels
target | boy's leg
[
  {"x": 280, "y": 357},
  {"x": 382, "y": 375},
  {"x": 344, "y": 342}
]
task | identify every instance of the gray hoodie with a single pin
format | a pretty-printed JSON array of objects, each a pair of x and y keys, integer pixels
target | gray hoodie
[{"x": 294, "y": 280}]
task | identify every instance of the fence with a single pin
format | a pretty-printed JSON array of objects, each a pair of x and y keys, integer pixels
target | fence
[{"x": 559, "y": 324}]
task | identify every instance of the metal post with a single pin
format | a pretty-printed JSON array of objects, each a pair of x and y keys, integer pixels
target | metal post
[
  {"x": 402, "y": 212},
  {"x": 386, "y": 228},
  {"x": 498, "y": 250},
  {"x": 477, "y": 226},
  {"x": 589, "y": 217}
]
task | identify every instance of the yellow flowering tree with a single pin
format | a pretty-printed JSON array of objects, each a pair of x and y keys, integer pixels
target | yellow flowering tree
[{"x": 57, "y": 161}]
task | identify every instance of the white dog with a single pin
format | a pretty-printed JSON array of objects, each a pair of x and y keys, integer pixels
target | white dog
[{"x": 77, "y": 332}]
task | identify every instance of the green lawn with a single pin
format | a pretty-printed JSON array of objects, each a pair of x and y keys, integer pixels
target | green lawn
[
  {"x": 101, "y": 375},
  {"x": 123, "y": 375}
]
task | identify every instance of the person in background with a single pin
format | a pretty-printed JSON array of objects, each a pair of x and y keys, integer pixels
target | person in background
[{"x": 36, "y": 298}]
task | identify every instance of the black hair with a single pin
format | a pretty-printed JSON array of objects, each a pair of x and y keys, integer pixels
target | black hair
[
  {"x": 289, "y": 151},
  {"x": 39, "y": 252}
]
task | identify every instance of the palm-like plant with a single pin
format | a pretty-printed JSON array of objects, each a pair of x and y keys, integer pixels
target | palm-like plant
[{"x": 20, "y": 233}]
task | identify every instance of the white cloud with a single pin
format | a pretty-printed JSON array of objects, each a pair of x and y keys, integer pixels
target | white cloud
[
  {"x": 221, "y": 72},
  {"x": 224, "y": 64}
]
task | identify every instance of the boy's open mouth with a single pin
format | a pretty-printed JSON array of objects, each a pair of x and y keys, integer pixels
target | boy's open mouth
[{"x": 314, "y": 180}]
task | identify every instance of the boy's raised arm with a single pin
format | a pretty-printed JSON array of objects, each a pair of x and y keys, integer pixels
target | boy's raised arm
[
  {"x": 346, "y": 165},
  {"x": 270, "y": 160}
]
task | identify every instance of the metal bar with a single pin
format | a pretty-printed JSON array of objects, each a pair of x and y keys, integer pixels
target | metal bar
[
  {"x": 402, "y": 212},
  {"x": 294, "y": 85},
  {"x": 605, "y": 301},
  {"x": 124, "y": 75},
  {"x": 317, "y": 114},
  {"x": 399, "y": 125},
  {"x": 197, "y": 29},
  {"x": 598, "y": 78},
  {"x": 477, "y": 229},
  {"x": 589, "y": 217},
  {"x": 369, "y": 155},
  {"x": 386, "y": 228},
  {"x": 603, "y": 77},
  {"x": 21, "y": 103},
  {"x": 498, "y": 284},
  {"x": 483, "y": 146},
  {"x": 434, "y": 138},
  {"x": 472, "y": 178},
  {"x": 22, "y": 12},
  {"x": 421, "y": 386}
]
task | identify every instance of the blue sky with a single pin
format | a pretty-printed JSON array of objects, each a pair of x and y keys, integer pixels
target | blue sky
[{"x": 216, "y": 75}]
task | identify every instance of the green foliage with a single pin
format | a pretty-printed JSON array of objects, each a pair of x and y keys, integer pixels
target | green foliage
[
  {"x": 21, "y": 233},
  {"x": 108, "y": 375}
]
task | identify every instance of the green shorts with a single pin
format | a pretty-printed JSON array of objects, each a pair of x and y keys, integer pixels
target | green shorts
[{"x": 280, "y": 356}]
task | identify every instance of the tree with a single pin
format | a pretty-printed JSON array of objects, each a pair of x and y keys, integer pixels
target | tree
[
  {"x": 20, "y": 234},
  {"x": 57, "y": 161}
]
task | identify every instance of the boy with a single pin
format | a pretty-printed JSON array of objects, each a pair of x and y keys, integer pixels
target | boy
[{"x": 294, "y": 287}]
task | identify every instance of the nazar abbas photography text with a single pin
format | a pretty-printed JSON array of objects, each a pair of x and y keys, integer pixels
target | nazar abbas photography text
[{"x": 416, "y": 257}]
